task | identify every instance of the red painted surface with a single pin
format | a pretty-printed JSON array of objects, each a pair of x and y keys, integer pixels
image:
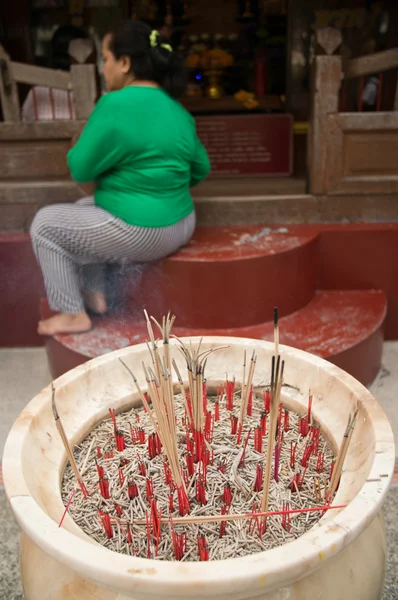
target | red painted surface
[
  {"x": 248, "y": 144},
  {"x": 345, "y": 327},
  {"x": 231, "y": 277},
  {"x": 348, "y": 256},
  {"x": 362, "y": 256},
  {"x": 21, "y": 287}
]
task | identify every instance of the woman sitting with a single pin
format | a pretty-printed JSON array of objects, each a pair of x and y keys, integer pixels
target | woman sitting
[{"x": 141, "y": 149}]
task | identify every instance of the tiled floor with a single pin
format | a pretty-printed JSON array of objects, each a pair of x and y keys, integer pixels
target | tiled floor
[{"x": 24, "y": 372}]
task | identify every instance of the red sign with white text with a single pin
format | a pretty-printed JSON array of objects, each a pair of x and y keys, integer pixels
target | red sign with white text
[{"x": 248, "y": 144}]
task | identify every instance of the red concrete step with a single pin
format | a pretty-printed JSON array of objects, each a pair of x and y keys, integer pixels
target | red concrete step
[
  {"x": 21, "y": 288},
  {"x": 346, "y": 256},
  {"x": 230, "y": 277},
  {"x": 343, "y": 327}
]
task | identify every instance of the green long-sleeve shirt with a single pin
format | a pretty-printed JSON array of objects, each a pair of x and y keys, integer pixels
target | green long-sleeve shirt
[{"x": 141, "y": 148}]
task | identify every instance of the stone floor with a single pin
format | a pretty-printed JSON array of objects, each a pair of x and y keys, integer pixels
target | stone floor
[
  {"x": 23, "y": 372},
  {"x": 385, "y": 387}
]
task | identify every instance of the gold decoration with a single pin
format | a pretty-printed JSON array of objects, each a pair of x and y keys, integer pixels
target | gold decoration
[
  {"x": 216, "y": 59},
  {"x": 248, "y": 99},
  {"x": 214, "y": 89}
]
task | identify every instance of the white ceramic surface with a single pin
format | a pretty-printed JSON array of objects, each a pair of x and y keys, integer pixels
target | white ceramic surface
[{"x": 343, "y": 556}]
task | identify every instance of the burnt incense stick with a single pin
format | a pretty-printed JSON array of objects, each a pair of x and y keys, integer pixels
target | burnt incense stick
[
  {"x": 276, "y": 331},
  {"x": 276, "y": 386},
  {"x": 242, "y": 388}
]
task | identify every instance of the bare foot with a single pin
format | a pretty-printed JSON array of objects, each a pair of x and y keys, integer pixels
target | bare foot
[
  {"x": 96, "y": 302},
  {"x": 63, "y": 323}
]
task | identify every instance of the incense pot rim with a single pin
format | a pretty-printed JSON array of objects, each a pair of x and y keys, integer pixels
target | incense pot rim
[{"x": 38, "y": 509}]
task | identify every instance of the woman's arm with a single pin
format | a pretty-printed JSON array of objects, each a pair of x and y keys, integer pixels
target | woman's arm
[
  {"x": 200, "y": 165},
  {"x": 98, "y": 148}
]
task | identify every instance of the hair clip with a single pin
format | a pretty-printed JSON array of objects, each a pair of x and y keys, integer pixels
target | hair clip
[{"x": 153, "y": 40}]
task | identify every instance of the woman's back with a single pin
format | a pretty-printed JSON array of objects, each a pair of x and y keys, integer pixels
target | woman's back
[{"x": 141, "y": 148}]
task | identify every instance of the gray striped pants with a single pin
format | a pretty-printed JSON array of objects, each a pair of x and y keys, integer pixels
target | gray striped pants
[{"x": 73, "y": 243}]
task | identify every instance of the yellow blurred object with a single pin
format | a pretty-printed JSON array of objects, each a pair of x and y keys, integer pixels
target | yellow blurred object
[
  {"x": 251, "y": 103},
  {"x": 243, "y": 96},
  {"x": 300, "y": 127},
  {"x": 248, "y": 99},
  {"x": 214, "y": 88}
]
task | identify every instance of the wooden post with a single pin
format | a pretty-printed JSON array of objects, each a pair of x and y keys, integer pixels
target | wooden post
[
  {"x": 84, "y": 89},
  {"x": 8, "y": 90},
  {"x": 326, "y": 82},
  {"x": 84, "y": 82}
]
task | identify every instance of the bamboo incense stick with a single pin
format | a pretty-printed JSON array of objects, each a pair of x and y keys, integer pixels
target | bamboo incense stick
[
  {"x": 156, "y": 358},
  {"x": 340, "y": 457},
  {"x": 342, "y": 454},
  {"x": 142, "y": 396},
  {"x": 183, "y": 393},
  {"x": 276, "y": 385},
  {"x": 65, "y": 442},
  {"x": 240, "y": 516},
  {"x": 242, "y": 399},
  {"x": 246, "y": 388},
  {"x": 161, "y": 390}
]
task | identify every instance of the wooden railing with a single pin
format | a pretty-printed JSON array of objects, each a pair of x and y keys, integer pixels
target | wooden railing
[
  {"x": 350, "y": 153},
  {"x": 360, "y": 69},
  {"x": 80, "y": 80},
  {"x": 371, "y": 64}
]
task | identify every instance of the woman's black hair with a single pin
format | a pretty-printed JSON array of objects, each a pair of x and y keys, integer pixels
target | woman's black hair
[
  {"x": 60, "y": 45},
  {"x": 149, "y": 61}
]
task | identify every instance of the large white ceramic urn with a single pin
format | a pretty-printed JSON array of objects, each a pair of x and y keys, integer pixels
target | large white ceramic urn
[{"x": 341, "y": 557}]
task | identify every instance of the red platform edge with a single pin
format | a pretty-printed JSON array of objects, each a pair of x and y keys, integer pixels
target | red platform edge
[
  {"x": 343, "y": 327},
  {"x": 220, "y": 280},
  {"x": 348, "y": 256}
]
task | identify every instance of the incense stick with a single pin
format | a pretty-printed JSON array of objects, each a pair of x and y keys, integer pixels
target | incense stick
[
  {"x": 242, "y": 498},
  {"x": 276, "y": 385},
  {"x": 276, "y": 331},
  {"x": 246, "y": 388},
  {"x": 65, "y": 442},
  {"x": 240, "y": 516},
  {"x": 342, "y": 454},
  {"x": 135, "y": 476}
]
